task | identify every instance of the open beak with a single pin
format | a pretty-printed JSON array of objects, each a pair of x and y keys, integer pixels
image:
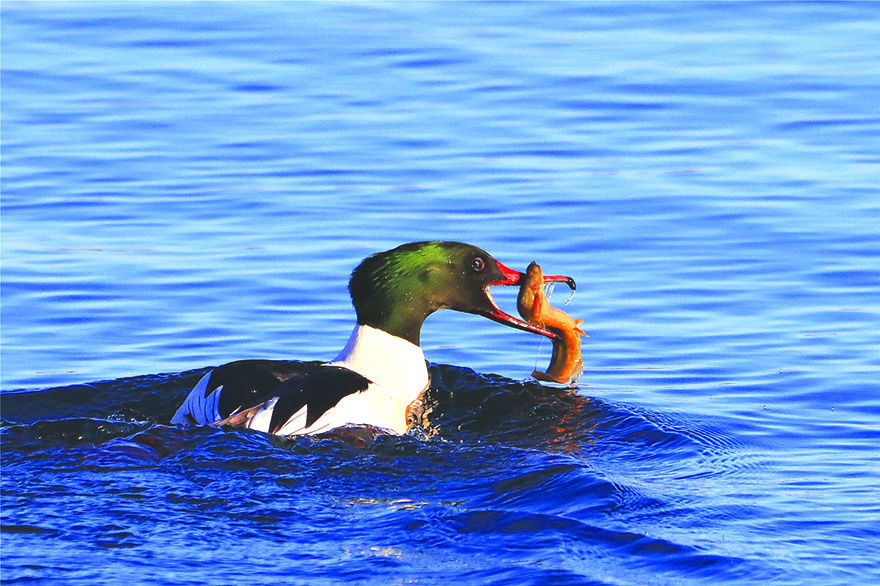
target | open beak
[{"x": 512, "y": 277}]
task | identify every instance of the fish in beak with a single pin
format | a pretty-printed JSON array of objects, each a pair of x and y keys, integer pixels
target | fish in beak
[{"x": 512, "y": 277}]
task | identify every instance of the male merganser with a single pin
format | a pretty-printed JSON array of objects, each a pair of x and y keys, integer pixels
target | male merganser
[{"x": 382, "y": 369}]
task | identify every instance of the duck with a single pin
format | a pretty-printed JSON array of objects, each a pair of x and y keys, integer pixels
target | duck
[{"x": 382, "y": 371}]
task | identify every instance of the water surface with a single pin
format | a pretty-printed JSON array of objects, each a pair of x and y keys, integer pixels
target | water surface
[{"x": 188, "y": 184}]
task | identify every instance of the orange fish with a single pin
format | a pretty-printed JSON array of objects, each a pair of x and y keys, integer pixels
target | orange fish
[{"x": 566, "y": 365}]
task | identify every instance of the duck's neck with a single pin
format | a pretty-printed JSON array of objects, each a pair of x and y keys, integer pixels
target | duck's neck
[{"x": 388, "y": 360}]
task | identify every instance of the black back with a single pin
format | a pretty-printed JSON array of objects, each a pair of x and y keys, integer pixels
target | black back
[{"x": 248, "y": 383}]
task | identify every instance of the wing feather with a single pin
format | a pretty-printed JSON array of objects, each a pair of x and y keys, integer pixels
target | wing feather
[{"x": 269, "y": 395}]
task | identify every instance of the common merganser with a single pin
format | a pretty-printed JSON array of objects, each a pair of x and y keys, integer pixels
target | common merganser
[{"x": 382, "y": 369}]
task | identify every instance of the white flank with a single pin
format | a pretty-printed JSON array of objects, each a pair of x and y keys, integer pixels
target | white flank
[
  {"x": 262, "y": 418},
  {"x": 296, "y": 424}
]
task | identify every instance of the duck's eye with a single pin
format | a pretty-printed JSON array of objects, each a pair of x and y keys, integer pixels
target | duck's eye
[{"x": 478, "y": 264}]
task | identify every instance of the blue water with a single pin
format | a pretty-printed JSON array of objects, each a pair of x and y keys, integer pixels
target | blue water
[{"x": 189, "y": 184}]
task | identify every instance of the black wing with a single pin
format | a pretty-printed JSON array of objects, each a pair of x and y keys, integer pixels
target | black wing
[
  {"x": 247, "y": 383},
  {"x": 318, "y": 392},
  {"x": 232, "y": 393}
]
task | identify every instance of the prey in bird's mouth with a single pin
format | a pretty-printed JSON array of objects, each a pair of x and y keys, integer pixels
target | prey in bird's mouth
[{"x": 512, "y": 277}]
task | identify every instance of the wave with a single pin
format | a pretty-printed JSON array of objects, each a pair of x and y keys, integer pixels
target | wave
[{"x": 528, "y": 469}]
